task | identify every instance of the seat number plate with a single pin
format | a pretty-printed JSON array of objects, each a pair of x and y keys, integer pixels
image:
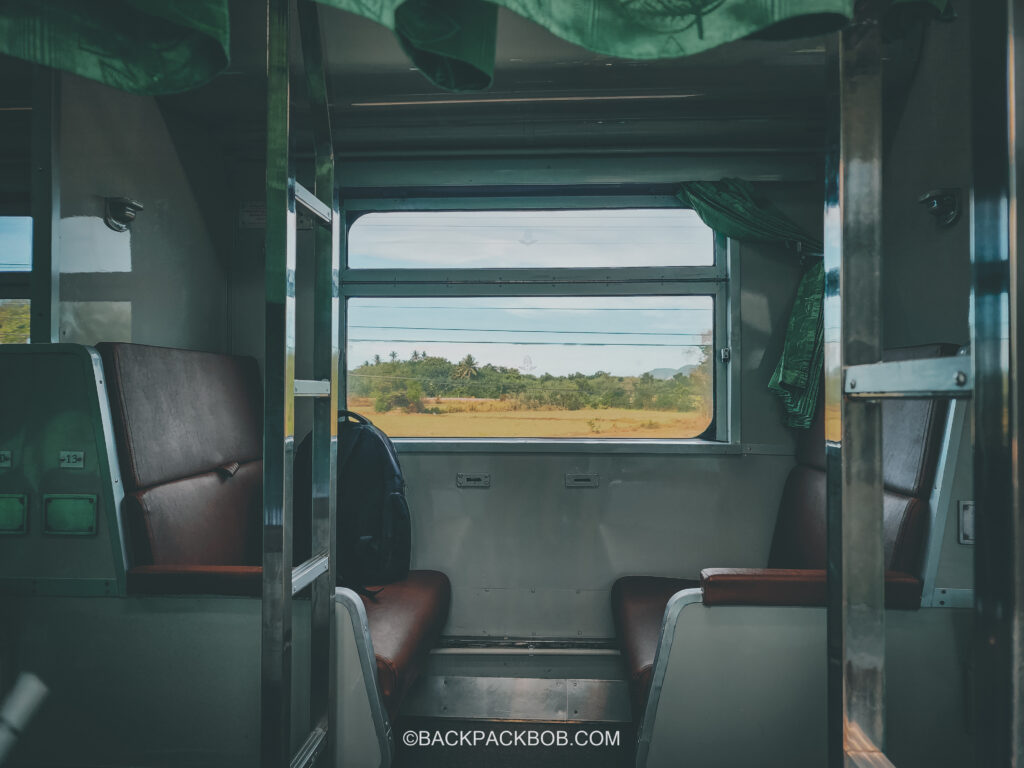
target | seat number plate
[{"x": 72, "y": 459}]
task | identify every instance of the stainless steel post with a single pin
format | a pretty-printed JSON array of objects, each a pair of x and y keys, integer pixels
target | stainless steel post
[
  {"x": 279, "y": 405},
  {"x": 853, "y": 336}
]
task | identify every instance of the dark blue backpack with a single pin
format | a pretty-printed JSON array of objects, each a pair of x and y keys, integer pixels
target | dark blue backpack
[{"x": 374, "y": 532}]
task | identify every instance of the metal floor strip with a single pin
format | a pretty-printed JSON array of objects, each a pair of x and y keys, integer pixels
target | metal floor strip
[{"x": 520, "y": 698}]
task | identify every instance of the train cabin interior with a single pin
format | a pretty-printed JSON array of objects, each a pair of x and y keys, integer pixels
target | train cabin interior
[{"x": 695, "y": 327}]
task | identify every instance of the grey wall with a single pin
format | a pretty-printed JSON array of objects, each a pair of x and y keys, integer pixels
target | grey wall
[
  {"x": 927, "y": 268},
  {"x": 926, "y": 289},
  {"x": 164, "y": 282}
]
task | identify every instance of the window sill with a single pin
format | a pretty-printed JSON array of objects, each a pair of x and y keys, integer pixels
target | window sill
[{"x": 408, "y": 445}]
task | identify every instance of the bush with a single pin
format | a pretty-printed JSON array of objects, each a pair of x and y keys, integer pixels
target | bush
[{"x": 386, "y": 401}]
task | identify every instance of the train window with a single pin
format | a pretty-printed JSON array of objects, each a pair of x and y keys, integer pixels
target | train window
[
  {"x": 577, "y": 366},
  {"x": 522, "y": 239},
  {"x": 582, "y": 324},
  {"x": 15, "y": 264}
]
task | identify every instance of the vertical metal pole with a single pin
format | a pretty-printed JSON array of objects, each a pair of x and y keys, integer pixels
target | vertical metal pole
[
  {"x": 833, "y": 394},
  {"x": 45, "y": 323},
  {"x": 325, "y": 367},
  {"x": 279, "y": 405},
  {"x": 853, "y": 428},
  {"x": 996, "y": 348}
]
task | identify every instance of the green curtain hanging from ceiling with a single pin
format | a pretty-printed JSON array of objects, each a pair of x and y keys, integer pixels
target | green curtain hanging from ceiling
[
  {"x": 452, "y": 42},
  {"x": 165, "y": 46},
  {"x": 141, "y": 46},
  {"x": 732, "y": 208}
]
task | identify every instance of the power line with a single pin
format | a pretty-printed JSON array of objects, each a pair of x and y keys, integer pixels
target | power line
[
  {"x": 515, "y": 330},
  {"x": 551, "y": 309},
  {"x": 531, "y": 343}
]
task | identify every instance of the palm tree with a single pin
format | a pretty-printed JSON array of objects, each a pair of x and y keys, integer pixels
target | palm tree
[{"x": 467, "y": 368}]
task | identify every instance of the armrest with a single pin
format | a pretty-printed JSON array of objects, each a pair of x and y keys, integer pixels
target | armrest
[
  {"x": 783, "y": 586},
  {"x": 762, "y": 586},
  {"x": 237, "y": 580}
]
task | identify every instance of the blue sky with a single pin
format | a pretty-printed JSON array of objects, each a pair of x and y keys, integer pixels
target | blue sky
[
  {"x": 624, "y": 335},
  {"x": 15, "y": 243}
]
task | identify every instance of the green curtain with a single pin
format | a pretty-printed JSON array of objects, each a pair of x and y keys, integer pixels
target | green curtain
[
  {"x": 797, "y": 376},
  {"x": 165, "y": 46},
  {"x": 141, "y": 46},
  {"x": 732, "y": 208},
  {"x": 452, "y": 41}
]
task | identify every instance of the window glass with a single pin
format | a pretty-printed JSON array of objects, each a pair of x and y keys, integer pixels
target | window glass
[
  {"x": 15, "y": 243},
  {"x": 545, "y": 367},
  {"x": 652, "y": 237},
  {"x": 14, "y": 321}
]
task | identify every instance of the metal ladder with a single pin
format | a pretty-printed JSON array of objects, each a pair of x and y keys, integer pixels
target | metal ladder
[
  {"x": 280, "y": 581},
  {"x": 856, "y": 381}
]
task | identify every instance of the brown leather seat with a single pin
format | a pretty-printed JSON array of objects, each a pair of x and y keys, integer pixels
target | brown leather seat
[
  {"x": 911, "y": 433},
  {"x": 405, "y": 620},
  {"x": 187, "y": 427},
  {"x": 638, "y": 604},
  {"x": 188, "y": 431}
]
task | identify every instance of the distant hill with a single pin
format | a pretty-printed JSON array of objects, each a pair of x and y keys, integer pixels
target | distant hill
[{"x": 664, "y": 374}]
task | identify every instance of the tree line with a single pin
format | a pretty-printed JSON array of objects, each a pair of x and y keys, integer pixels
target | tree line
[{"x": 410, "y": 385}]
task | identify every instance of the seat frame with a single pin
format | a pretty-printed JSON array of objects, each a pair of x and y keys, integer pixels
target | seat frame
[
  {"x": 790, "y": 643},
  {"x": 359, "y": 715}
]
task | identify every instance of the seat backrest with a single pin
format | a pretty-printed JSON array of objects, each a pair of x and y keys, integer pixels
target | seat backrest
[
  {"x": 911, "y": 436},
  {"x": 188, "y": 432}
]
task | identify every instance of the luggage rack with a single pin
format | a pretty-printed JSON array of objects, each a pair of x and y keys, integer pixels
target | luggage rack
[{"x": 281, "y": 582}]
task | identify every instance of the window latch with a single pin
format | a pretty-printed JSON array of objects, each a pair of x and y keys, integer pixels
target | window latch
[{"x": 725, "y": 353}]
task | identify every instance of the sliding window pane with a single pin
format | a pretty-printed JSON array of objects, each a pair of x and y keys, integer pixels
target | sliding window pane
[
  {"x": 545, "y": 367},
  {"x": 15, "y": 243},
  {"x": 653, "y": 237}
]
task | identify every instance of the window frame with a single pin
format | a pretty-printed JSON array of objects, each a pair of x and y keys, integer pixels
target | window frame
[{"x": 720, "y": 281}]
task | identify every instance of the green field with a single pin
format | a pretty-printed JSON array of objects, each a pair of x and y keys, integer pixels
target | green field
[
  {"x": 475, "y": 417},
  {"x": 14, "y": 321}
]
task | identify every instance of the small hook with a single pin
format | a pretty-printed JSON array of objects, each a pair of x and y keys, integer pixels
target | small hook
[
  {"x": 943, "y": 204},
  {"x": 119, "y": 212}
]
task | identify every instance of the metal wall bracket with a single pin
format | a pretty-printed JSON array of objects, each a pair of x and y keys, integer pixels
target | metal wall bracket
[
  {"x": 943, "y": 204},
  {"x": 119, "y": 212},
  {"x": 936, "y": 377}
]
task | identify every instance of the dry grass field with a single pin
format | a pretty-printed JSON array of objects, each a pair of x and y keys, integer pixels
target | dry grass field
[{"x": 471, "y": 417}]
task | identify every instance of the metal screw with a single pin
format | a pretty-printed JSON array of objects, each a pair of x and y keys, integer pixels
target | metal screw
[{"x": 960, "y": 378}]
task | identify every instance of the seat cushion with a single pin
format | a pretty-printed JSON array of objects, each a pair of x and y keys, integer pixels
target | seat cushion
[
  {"x": 232, "y": 580},
  {"x": 405, "y": 620},
  {"x": 638, "y": 606}
]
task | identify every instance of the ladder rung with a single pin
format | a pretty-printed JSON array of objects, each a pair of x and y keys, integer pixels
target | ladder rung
[
  {"x": 931, "y": 377},
  {"x": 305, "y": 573},
  {"x": 312, "y": 388},
  {"x": 312, "y": 203},
  {"x": 310, "y": 749}
]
